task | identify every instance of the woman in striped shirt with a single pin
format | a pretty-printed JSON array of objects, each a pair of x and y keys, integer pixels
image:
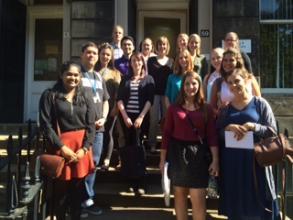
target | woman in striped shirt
[{"x": 135, "y": 97}]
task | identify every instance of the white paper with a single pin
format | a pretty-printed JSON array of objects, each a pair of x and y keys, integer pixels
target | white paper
[
  {"x": 166, "y": 185},
  {"x": 245, "y": 143}
]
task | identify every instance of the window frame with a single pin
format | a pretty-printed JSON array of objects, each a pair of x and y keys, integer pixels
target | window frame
[{"x": 267, "y": 90}]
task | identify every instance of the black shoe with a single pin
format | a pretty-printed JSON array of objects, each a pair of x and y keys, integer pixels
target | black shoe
[{"x": 94, "y": 210}]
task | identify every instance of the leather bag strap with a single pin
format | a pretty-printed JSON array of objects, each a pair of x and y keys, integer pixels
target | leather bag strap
[{"x": 283, "y": 194}]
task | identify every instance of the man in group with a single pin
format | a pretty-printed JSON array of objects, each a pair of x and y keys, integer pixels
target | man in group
[
  {"x": 95, "y": 86},
  {"x": 122, "y": 64},
  {"x": 117, "y": 35}
]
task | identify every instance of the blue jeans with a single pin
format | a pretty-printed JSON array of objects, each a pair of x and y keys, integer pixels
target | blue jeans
[{"x": 97, "y": 150}]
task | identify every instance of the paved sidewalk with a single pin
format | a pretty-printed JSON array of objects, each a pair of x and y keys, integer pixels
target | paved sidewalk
[{"x": 136, "y": 213}]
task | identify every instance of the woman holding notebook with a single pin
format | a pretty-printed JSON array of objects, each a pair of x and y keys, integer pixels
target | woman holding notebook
[{"x": 240, "y": 197}]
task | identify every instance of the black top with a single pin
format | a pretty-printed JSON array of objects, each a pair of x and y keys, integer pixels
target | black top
[
  {"x": 70, "y": 116},
  {"x": 247, "y": 62},
  {"x": 146, "y": 90},
  {"x": 160, "y": 74}
]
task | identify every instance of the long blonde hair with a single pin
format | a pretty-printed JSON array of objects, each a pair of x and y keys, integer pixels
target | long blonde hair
[{"x": 195, "y": 36}]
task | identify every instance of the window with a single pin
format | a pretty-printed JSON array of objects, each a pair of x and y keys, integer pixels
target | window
[
  {"x": 276, "y": 43},
  {"x": 276, "y": 9},
  {"x": 48, "y": 49}
]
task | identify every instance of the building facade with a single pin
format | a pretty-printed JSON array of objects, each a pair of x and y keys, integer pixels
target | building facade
[{"x": 36, "y": 36}]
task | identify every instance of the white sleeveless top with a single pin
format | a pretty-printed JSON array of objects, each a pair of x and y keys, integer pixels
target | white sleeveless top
[{"x": 227, "y": 95}]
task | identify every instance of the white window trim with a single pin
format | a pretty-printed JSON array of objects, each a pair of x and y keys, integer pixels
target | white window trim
[{"x": 33, "y": 13}]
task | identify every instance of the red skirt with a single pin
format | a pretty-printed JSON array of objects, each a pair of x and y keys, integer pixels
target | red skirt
[{"x": 74, "y": 140}]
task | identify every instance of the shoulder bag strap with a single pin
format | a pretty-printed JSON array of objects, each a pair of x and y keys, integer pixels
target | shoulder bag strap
[
  {"x": 193, "y": 126},
  {"x": 283, "y": 174},
  {"x": 55, "y": 112}
]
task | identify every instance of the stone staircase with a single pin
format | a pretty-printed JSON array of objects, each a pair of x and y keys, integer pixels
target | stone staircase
[
  {"x": 112, "y": 189},
  {"x": 113, "y": 196}
]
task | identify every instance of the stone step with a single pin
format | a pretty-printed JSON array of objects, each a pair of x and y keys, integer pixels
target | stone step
[
  {"x": 145, "y": 213},
  {"x": 113, "y": 175},
  {"x": 13, "y": 128},
  {"x": 117, "y": 194}
]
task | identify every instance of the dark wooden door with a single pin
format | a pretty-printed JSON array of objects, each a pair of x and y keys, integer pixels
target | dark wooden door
[{"x": 12, "y": 59}]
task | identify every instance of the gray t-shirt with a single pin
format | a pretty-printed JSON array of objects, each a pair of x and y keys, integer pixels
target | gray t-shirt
[{"x": 95, "y": 86}]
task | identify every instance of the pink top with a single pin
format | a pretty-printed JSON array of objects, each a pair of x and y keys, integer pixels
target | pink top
[{"x": 178, "y": 126}]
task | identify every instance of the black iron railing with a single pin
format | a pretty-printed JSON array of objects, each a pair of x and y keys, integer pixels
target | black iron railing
[{"x": 23, "y": 184}]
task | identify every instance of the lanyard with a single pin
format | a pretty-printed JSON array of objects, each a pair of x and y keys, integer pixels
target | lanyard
[{"x": 94, "y": 85}]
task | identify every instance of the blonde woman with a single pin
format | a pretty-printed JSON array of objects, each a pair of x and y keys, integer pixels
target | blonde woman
[
  {"x": 183, "y": 64},
  {"x": 159, "y": 67},
  {"x": 199, "y": 60},
  {"x": 181, "y": 42}
]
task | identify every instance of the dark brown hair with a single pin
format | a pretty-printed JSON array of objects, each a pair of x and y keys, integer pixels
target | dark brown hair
[
  {"x": 138, "y": 56},
  {"x": 89, "y": 44},
  {"x": 240, "y": 64},
  {"x": 102, "y": 47}
]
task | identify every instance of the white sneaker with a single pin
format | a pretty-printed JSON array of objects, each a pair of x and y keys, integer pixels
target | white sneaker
[{"x": 87, "y": 203}]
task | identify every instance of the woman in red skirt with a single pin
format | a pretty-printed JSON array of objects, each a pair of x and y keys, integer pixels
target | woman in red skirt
[{"x": 67, "y": 120}]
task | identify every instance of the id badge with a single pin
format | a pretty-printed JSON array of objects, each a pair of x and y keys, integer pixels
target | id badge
[{"x": 95, "y": 99}]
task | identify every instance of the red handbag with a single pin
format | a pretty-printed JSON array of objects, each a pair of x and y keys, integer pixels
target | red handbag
[{"x": 52, "y": 165}]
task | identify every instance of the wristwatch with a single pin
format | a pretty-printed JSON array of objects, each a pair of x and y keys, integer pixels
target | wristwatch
[{"x": 85, "y": 150}]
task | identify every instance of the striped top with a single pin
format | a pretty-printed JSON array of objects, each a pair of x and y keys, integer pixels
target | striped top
[{"x": 133, "y": 102}]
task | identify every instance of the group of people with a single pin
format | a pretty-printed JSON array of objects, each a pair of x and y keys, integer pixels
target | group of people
[{"x": 114, "y": 87}]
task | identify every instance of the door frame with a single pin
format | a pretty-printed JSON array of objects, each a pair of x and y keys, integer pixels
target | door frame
[
  {"x": 181, "y": 15},
  {"x": 33, "y": 13},
  {"x": 169, "y": 9}
]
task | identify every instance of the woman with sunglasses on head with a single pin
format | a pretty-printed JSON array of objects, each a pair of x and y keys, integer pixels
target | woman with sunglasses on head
[{"x": 221, "y": 94}]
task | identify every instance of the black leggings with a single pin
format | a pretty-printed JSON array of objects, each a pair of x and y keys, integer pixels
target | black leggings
[
  {"x": 108, "y": 137},
  {"x": 66, "y": 194}
]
